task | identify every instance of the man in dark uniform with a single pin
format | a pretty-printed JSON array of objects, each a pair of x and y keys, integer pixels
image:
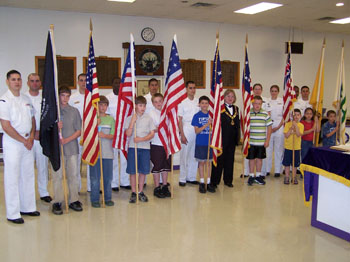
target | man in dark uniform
[{"x": 230, "y": 137}]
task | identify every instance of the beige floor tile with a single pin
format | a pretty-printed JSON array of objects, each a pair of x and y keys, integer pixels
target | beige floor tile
[{"x": 258, "y": 223}]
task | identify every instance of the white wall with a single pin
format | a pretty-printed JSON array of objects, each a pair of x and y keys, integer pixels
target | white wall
[{"x": 24, "y": 32}]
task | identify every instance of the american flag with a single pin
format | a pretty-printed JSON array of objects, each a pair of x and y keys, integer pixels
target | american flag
[
  {"x": 125, "y": 103},
  {"x": 216, "y": 106},
  {"x": 247, "y": 100},
  {"x": 175, "y": 93},
  {"x": 289, "y": 94},
  {"x": 90, "y": 127}
]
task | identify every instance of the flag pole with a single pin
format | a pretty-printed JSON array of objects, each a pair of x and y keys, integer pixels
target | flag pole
[
  {"x": 340, "y": 73},
  {"x": 64, "y": 182},
  {"x": 172, "y": 177},
  {"x": 316, "y": 135},
  {"x": 101, "y": 167},
  {"x": 293, "y": 136},
  {"x": 99, "y": 138},
  {"x": 215, "y": 70},
  {"x": 132, "y": 65},
  {"x": 243, "y": 113}
]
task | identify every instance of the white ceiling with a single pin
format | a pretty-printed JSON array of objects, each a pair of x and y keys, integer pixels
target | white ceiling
[{"x": 299, "y": 14}]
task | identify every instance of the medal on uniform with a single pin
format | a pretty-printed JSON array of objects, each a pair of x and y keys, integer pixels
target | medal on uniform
[{"x": 232, "y": 117}]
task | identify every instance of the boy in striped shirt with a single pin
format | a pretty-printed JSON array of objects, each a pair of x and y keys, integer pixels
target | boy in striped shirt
[{"x": 260, "y": 133}]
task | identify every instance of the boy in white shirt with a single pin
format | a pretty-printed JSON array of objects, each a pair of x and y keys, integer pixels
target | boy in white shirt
[{"x": 161, "y": 164}]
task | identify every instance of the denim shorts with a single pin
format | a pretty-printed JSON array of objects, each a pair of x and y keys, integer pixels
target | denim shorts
[
  {"x": 143, "y": 161},
  {"x": 201, "y": 153},
  {"x": 288, "y": 158}
]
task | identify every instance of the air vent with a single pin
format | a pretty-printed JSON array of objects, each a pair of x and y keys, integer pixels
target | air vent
[
  {"x": 326, "y": 18},
  {"x": 206, "y": 5}
]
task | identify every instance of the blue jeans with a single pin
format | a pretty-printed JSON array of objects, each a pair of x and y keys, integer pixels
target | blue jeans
[
  {"x": 95, "y": 175},
  {"x": 305, "y": 146}
]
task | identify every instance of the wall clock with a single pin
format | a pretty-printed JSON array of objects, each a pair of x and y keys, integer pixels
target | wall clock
[{"x": 148, "y": 34}]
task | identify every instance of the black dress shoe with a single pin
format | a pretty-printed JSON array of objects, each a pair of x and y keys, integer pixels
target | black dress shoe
[
  {"x": 46, "y": 199},
  {"x": 31, "y": 214},
  {"x": 182, "y": 184},
  {"x": 56, "y": 209},
  {"x": 193, "y": 182},
  {"x": 115, "y": 189},
  {"x": 17, "y": 220},
  {"x": 126, "y": 187},
  {"x": 76, "y": 206},
  {"x": 268, "y": 173},
  {"x": 229, "y": 184},
  {"x": 277, "y": 174},
  {"x": 211, "y": 188}
]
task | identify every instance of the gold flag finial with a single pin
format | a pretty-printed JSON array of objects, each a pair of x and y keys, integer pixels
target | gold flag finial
[
  {"x": 52, "y": 27},
  {"x": 343, "y": 44},
  {"x": 217, "y": 34},
  {"x": 246, "y": 38},
  {"x": 324, "y": 41},
  {"x": 90, "y": 24}
]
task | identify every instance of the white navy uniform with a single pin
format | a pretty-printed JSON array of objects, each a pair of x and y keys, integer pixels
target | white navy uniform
[
  {"x": 40, "y": 159},
  {"x": 124, "y": 177},
  {"x": 246, "y": 161},
  {"x": 77, "y": 100},
  {"x": 19, "y": 178},
  {"x": 188, "y": 164},
  {"x": 275, "y": 109},
  {"x": 302, "y": 105},
  {"x": 149, "y": 105}
]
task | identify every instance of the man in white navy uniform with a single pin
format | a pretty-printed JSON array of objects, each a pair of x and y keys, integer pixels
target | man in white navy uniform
[
  {"x": 187, "y": 109},
  {"x": 112, "y": 109},
  {"x": 18, "y": 123},
  {"x": 153, "y": 87},
  {"x": 41, "y": 160},
  {"x": 77, "y": 100},
  {"x": 303, "y": 102}
]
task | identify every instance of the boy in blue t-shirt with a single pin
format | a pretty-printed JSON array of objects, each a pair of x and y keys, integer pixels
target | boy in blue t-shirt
[
  {"x": 329, "y": 129},
  {"x": 201, "y": 123}
]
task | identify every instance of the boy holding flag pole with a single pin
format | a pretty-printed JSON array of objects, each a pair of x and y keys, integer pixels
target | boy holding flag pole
[
  {"x": 175, "y": 93},
  {"x": 50, "y": 126},
  {"x": 92, "y": 144},
  {"x": 141, "y": 127}
]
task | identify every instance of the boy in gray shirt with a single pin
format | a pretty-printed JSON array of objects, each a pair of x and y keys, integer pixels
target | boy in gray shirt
[
  {"x": 70, "y": 126},
  {"x": 144, "y": 133}
]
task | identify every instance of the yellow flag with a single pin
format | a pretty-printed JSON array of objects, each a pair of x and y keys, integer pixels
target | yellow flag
[{"x": 316, "y": 99}]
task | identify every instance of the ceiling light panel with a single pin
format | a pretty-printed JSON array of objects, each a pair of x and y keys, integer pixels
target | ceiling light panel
[
  {"x": 341, "y": 21},
  {"x": 258, "y": 8},
  {"x": 122, "y": 1}
]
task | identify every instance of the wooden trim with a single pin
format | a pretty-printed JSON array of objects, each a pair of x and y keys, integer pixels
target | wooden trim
[
  {"x": 104, "y": 58},
  {"x": 236, "y": 74},
  {"x": 59, "y": 58},
  {"x": 201, "y": 85}
]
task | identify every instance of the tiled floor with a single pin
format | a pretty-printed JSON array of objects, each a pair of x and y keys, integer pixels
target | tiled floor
[{"x": 258, "y": 223}]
